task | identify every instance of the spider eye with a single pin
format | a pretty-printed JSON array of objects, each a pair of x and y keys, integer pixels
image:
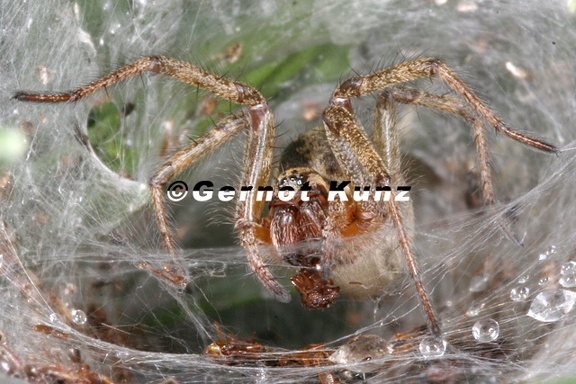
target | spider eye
[{"x": 295, "y": 181}]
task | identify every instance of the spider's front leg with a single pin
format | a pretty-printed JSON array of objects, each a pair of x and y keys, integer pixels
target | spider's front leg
[
  {"x": 470, "y": 107},
  {"x": 363, "y": 164},
  {"x": 428, "y": 68},
  {"x": 256, "y": 172},
  {"x": 257, "y": 160},
  {"x": 364, "y": 167}
]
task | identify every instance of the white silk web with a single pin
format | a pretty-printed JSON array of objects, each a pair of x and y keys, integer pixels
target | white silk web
[{"x": 76, "y": 224}]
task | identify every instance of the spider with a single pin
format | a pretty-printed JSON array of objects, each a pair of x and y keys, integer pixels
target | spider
[{"x": 347, "y": 262}]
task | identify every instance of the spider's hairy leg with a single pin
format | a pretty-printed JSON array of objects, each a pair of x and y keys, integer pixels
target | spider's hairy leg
[
  {"x": 364, "y": 166},
  {"x": 181, "y": 70},
  {"x": 256, "y": 172},
  {"x": 385, "y": 136},
  {"x": 454, "y": 106},
  {"x": 423, "y": 68},
  {"x": 223, "y": 131},
  {"x": 258, "y": 156},
  {"x": 471, "y": 108},
  {"x": 329, "y": 236},
  {"x": 457, "y": 107}
]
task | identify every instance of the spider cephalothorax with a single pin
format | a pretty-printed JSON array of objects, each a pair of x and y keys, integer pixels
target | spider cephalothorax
[
  {"x": 296, "y": 226},
  {"x": 363, "y": 245},
  {"x": 300, "y": 219}
]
